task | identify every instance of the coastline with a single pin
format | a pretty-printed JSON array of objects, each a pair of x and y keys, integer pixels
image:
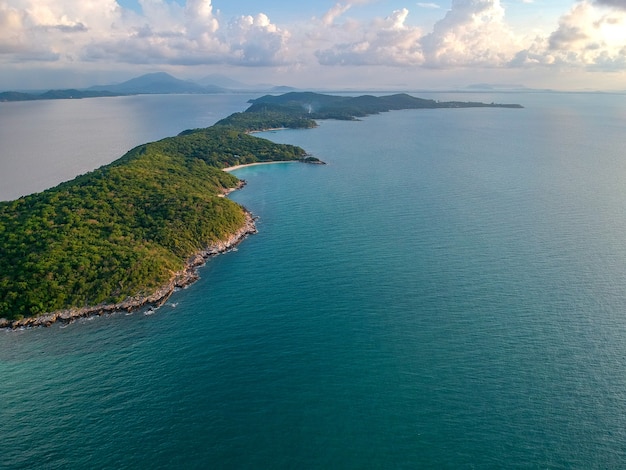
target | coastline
[
  {"x": 183, "y": 278},
  {"x": 188, "y": 275},
  {"x": 236, "y": 167},
  {"x": 267, "y": 130}
]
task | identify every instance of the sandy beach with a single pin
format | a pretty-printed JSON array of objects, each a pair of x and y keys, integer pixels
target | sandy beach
[{"x": 236, "y": 167}]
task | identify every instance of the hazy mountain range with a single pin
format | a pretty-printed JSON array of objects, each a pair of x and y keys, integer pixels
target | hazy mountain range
[
  {"x": 152, "y": 83},
  {"x": 164, "y": 83}
]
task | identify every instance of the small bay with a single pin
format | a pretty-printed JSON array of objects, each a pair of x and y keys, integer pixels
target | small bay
[{"x": 447, "y": 292}]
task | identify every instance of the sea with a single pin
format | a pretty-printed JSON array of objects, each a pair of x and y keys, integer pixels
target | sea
[{"x": 448, "y": 291}]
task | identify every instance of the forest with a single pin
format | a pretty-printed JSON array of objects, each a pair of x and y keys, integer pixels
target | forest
[
  {"x": 311, "y": 105},
  {"x": 125, "y": 228}
]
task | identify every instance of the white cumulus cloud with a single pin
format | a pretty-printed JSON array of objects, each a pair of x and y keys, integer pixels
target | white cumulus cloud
[
  {"x": 385, "y": 41},
  {"x": 335, "y": 12},
  {"x": 473, "y": 32},
  {"x": 164, "y": 32},
  {"x": 255, "y": 40},
  {"x": 590, "y": 36},
  {"x": 12, "y": 27}
]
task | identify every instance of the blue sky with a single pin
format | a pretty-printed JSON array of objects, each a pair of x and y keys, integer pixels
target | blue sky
[{"x": 392, "y": 44}]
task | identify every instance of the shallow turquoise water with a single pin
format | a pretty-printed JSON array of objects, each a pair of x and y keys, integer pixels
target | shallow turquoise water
[{"x": 446, "y": 292}]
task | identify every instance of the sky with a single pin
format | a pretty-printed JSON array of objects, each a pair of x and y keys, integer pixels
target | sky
[{"x": 318, "y": 44}]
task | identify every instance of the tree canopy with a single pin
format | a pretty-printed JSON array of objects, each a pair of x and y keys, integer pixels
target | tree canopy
[{"x": 125, "y": 228}]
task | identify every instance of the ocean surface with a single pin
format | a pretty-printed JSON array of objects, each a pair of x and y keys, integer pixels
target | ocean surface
[
  {"x": 44, "y": 143},
  {"x": 448, "y": 292}
]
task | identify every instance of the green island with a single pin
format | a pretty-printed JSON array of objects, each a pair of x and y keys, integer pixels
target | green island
[{"x": 126, "y": 235}]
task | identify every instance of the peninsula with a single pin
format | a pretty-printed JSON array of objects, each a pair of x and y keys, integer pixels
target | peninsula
[{"x": 126, "y": 235}]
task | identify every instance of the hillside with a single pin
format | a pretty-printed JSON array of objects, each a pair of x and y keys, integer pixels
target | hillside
[
  {"x": 124, "y": 230},
  {"x": 117, "y": 235},
  {"x": 321, "y": 106},
  {"x": 299, "y": 110}
]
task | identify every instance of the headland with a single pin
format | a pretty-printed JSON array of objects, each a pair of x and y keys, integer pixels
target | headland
[{"x": 127, "y": 235}]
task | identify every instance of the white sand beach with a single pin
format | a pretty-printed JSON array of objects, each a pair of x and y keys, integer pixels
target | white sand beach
[{"x": 236, "y": 167}]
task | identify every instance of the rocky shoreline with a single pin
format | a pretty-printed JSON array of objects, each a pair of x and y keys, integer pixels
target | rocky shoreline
[{"x": 181, "y": 279}]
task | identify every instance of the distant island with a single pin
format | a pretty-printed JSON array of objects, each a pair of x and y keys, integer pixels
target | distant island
[
  {"x": 151, "y": 83},
  {"x": 126, "y": 235},
  {"x": 70, "y": 94}
]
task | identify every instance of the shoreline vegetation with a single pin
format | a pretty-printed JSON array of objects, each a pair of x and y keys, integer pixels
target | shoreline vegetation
[
  {"x": 127, "y": 235},
  {"x": 181, "y": 279}
]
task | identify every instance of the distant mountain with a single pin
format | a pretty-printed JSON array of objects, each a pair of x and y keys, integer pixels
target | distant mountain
[
  {"x": 151, "y": 83},
  {"x": 157, "y": 83},
  {"x": 283, "y": 89},
  {"x": 215, "y": 79}
]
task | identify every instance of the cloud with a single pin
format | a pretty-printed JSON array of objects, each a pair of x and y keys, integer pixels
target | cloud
[
  {"x": 473, "y": 32},
  {"x": 590, "y": 37},
  {"x": 573, "y": 30},
  {"x": 199, "y": 17},
  {"x": 387, "y": 41},
  {"x": 164, "y": 33},
  {"x": 591, "y": 34},
  {"x": 12, "y": 23},
  {"x": 75, "y": 28},
  {"x": 45, "y": 30},
  {"x": 612, "y": 3},
  {"x": 336, "y": 11},
  {"x": 256, "y": 41}
]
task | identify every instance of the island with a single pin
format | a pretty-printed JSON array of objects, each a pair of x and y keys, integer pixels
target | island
[
  {"x": 127, "y": 235},
  {"x": 69, "y": 94}
]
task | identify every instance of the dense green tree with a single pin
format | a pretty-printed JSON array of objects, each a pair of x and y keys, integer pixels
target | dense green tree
[{"x": 124, "y": 229}]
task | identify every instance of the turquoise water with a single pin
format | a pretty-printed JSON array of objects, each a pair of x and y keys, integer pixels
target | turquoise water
[{"x": 447, "y": 292}]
